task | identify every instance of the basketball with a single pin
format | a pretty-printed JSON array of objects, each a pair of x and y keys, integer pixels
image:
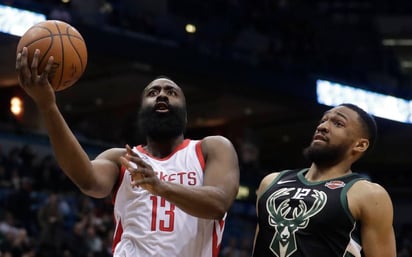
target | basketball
[{"x": 62, "y": 41}]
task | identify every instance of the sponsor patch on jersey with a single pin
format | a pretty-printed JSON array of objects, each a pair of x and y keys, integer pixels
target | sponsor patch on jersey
[{"x": 334, "y": 184}]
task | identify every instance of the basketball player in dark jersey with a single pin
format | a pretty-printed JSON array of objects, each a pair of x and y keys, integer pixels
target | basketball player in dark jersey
[{"x": 327, "y": 210}]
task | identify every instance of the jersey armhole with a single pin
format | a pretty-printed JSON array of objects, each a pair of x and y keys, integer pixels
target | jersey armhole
[
  {"x": 199, "y": 154},
  {"x": 344, "y": 197},
  {"x": 118, "y": 183},
  {"x": 274, "y": 181}
]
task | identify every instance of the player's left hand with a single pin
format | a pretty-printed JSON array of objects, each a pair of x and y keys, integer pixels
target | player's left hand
[{"x": 141, "y": 172}]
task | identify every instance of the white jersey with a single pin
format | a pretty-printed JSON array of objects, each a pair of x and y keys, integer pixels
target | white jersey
[{"x": 148, "y": 225}]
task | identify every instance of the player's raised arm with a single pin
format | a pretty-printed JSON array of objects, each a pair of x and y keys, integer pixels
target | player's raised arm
[{"x": 71, "y": 157}]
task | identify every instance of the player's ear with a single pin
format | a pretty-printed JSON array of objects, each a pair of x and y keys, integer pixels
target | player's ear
[{"x": 362, "y": 145}]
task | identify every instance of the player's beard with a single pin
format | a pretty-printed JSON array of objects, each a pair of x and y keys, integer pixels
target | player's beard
[
  {"x": 162, "y": 126},
  {"x": 324, "y": 155}
]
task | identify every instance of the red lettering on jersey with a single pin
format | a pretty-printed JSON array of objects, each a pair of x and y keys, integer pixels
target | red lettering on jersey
[
  {"x": 172, "y": 177},
  {"x": 191, "y": 178},
  {"x": 162, "y": 176},
  {"x": 182, "y": 177}
]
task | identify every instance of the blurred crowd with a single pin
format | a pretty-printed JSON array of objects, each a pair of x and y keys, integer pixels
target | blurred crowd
[{"x": 43, "y": 214}]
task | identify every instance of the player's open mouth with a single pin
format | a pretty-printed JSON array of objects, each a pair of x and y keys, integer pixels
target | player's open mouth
[{"x": 161, "y": 107}]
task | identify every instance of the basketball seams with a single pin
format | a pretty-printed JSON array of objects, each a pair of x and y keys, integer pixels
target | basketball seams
[
  {"x": 62, "y": 56},
  {"x": 50, "y": 45},
  {"x": 61, "y": 40},
  {"x": 60, "y": 34},
  {"x": 43, "y": 55},
  {"x": 50, "y": 35},
  {"x": 69, "y": 38}
]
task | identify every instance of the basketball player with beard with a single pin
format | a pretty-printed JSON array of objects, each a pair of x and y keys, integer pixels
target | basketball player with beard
[
  {"x": 327, "y": 210},
  {"x": 170, "y": 194}
]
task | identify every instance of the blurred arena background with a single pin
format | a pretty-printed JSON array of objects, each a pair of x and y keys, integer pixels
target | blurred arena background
[{"x": 249, "y": 71}]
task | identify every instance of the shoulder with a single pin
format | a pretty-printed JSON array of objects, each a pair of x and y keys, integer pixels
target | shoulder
[
  {"x": 366, "y": 189},
  {"x": 213, "y": 144},
  {"x": 218, "y": 150},
  {"x": 366, "y": 198},
  {"x": 266, "y": 181},
  {"x": 112, "y": 154},
  {"x": 216, "y": 140}
]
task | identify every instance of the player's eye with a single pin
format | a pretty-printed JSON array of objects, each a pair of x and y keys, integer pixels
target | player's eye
[
  {"x": 152, "y": 92},
  {"x": 339, "y": 124},
  {"x": 172, "y": 92}
]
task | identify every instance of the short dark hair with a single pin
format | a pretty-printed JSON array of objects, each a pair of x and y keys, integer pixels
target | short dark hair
[{"x": 368, "y": 123}]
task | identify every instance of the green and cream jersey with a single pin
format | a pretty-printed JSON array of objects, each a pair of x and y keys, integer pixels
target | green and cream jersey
[{"x": 299, "y": 218}]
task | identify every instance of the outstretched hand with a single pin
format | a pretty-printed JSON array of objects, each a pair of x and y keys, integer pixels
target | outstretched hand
[
  {"x": 142, "y": 173},
  {"x": 36, "y": 85}
]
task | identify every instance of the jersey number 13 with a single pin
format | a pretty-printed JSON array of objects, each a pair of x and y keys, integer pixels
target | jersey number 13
[{"x": 163, "y": 215}]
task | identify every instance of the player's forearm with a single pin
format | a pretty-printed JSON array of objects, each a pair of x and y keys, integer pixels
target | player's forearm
[
  {"x": 204, "y": 202},
  {"x": 69, "y": 154}
]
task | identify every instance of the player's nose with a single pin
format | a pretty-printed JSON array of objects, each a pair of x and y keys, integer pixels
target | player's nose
[
  {"x": 162, "y": 97},
  {"x": 322, "y": 127}
]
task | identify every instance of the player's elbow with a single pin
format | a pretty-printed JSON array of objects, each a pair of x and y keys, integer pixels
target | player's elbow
[
  {"x": 92, "y": 190},
  {"x": 222, "y": 207},
  {"x": 219, "y": 212}
]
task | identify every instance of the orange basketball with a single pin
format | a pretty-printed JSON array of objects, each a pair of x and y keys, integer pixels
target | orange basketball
[{"x": 63, "y": 42}]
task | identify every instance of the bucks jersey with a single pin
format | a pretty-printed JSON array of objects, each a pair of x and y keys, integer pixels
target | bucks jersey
[
  {"x": 299, "y": 218},
  {"x": 148, "y": 225}
]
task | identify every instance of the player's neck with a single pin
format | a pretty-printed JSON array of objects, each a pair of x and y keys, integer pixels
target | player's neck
[
  {"x": 162, "y": 148},
  {"x": 321, "y": 173}
]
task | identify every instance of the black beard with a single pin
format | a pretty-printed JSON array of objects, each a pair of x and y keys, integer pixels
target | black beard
[
  {"x": 324, "y": 156},
  {"x": 162, "y": 126}
]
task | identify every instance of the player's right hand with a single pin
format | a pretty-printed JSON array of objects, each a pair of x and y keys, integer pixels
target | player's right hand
[
  {"x": 142, "y": 173},
  {"x": 36, "y": 85}
]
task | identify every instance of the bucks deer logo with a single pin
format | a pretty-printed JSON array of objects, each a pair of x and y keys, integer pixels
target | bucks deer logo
[{"x": 287, "y": 219}]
